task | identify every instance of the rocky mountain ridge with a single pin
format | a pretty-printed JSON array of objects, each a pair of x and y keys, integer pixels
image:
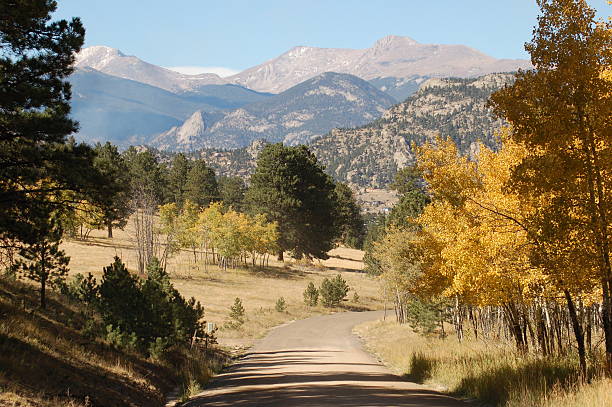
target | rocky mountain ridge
[
  {"x": 298, "y": 115},
  {"x": 369, "y": 156},
  {"x": 390, "y": 57},
  {"x": 111, "y": 61}
]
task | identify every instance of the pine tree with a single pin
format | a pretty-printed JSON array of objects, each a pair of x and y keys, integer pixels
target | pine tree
[
  {"x": 112, "y": 192},
  {"x": 146, "y": 174},
  {"x": 201, "y": 187},
  {"x": 348, "y": 216},
  {"x": 37, "y": 162},
  {"x": 232, "y": 190},
  {"x": 290, "y": 188},
  {"x": 177, "y": 178},
  {"x": 42, "y": 261}
]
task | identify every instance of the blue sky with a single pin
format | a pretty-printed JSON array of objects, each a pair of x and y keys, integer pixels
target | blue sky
[{"x": 237, "y": 34}]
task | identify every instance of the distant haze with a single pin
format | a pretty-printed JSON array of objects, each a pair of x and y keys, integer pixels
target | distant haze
[{"x": 196, "y": 70}]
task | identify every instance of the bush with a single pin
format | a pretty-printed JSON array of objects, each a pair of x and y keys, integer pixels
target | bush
[
  {"x": 158, "y": 348},
  {"x": 424, "y": 316},
  {"x": 356, "y": 298},
  {"x": 281, "y": 305},
  {"x": 236, "y": 314},
  {"x": 333, "y": 291},
  {"x": 153, "y": 310},
  {"x": 121, "y": 340},
  {"x": 81, "y": 288},
  {"x": 311, "y": 295}
]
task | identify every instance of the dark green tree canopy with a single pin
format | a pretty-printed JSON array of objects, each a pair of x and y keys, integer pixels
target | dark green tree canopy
[
  {"x": 201, "y": 187},
  {"x": 112, "y": 192},
  {"x": 146, "y": 173},
  {"x": 36, "y": 162},
  {"x": 232, "y": 190},
  {"x": 348, "y": 217},
  {"x": 177, "y": 178},
  {"x": 290, "y": 187},
  {"x": 410, "y": 185}
]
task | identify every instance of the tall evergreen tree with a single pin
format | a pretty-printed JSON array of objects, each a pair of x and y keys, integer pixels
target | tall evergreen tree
[
  {"x": 146, "y": 174},
  {"x": 410, "y": 186},
  {"x": 348, "y": 218},
  {"x": 41, "y": 259},
  {"x": 112, "y": 194},
  {"x": 201, "y": 187},
  {"x": 290, "y": 187},
  {"x": 37, "y": 164},
  {"x": 232, "y": 190},
  {"x": 177, "y": 178}
]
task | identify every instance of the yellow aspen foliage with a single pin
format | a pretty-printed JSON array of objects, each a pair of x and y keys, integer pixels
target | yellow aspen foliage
[{"x": 476, "y": 225}]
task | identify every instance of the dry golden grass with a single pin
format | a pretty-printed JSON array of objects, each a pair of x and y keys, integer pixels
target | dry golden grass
[
  {"x": 485, "y": 370},
  {"x": 216, "y": 289},
  {"x": 46, "y": 358}
]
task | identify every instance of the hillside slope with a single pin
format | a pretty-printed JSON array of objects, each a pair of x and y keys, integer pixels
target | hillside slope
[
  {"x": 298, "y": 115},
  {"x": 47, "y": 358},
  {"x": 369, "y": 156},
  {"x": 455, "y": 108}
]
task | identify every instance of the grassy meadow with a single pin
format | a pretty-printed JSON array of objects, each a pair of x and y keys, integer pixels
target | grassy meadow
[
  {"x": 488, "y": 371},
  {"x": 48, "y": 357},
  {"x": 258, "y": 288}
]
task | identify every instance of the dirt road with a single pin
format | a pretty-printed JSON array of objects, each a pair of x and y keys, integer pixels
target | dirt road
[{"x": 316, "y": 362}]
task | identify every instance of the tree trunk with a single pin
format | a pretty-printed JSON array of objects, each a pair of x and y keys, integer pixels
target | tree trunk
[
  {"x": 516, "y": 329},
  {"x": 577, "y": 332},
  {"x": 43, "y": 292},
  {"x": 281, "y": 256},
  {"x": 110, "y": 230}
]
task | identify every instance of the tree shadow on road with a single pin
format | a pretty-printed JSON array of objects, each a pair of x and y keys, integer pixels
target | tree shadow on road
[{"x": 254, "y": 382}]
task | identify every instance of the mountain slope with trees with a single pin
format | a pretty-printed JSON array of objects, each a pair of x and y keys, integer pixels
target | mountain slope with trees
[
  {"x": 456, "y": 108},
  {"x": 295, "y": 116},
  {"x": 369, "y": 156}
]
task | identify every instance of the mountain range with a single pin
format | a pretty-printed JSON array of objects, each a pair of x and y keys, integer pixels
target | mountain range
[
  {"x": 295, "y": 98},
  {"x": 295, "y": 116},
  {"x": 370, "y": 155},
  {"x": 390, "y": 57}
]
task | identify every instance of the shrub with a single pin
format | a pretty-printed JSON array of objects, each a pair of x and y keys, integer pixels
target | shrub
[
  {"x": 158, "y": 348},
  {"x": 236, "y": 313},
  {"x": 281, "y": 305},
  {"x": 153, "y": 310},
  {"x": 121, "y": 340},
  {"x": 356, "y": 297},
  {"x": 423, "y": 317},
  {"x": 122, "y": 303},
  {"x": 333, "y": 291},
  {"x": 311, "y": 295},
  {"x": 81, "y": 288}
]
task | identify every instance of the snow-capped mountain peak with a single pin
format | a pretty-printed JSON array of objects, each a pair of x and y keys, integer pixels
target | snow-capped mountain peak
[{"x": 111, "y": 61}]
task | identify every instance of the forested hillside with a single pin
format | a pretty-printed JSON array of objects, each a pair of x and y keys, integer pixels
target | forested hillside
[
  {"x": 369, "y": 156},
  {"x": 456, "y": 108}
]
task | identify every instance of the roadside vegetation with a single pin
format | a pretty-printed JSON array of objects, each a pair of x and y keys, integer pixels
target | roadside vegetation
[
  {"x": 123, "y": 319},
  {"x": 64, "y": 355},
  {"x": 501, "y": 261},
  {"x": 485, "y": 369}
]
